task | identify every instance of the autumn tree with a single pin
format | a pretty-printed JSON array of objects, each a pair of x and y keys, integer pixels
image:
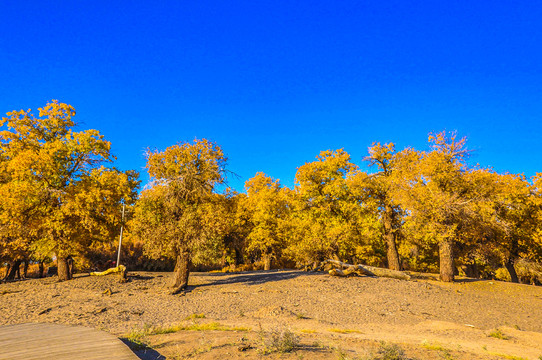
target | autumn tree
[
  {"x": 235, "y": 228},
  {"x": 174, "y": 215},
  {"x": 367, "y": 243},
  {"x": 436, "y": 194},
  {"x": 474, "y": 243},
  {"x": 21, "y": 204},
  {"x": 266, "y": 208},
  {"x": 380, "y": 187},
  {"x": 512, "y": 211},
  {"x": 325, "y": 210},
  {"x": 71, "y": 197}
]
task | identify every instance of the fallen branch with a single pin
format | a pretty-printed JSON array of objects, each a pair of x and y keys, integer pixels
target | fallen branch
[
  {"x": 119, "y": 269},
  {"x": 345, "y": 269}
]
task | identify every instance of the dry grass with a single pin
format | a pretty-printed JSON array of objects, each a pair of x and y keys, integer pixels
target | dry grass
[
  {"x": 281, "y": 340},
  {"x": 345, "y": 331}
]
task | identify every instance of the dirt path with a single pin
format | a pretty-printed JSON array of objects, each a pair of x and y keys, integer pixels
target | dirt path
[{"x": 333, "y": 317}]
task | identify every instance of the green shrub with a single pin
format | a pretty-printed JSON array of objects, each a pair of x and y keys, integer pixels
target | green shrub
[{"x": 498, "y": 334}]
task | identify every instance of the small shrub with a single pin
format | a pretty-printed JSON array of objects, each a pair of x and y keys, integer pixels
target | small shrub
[
  {"x": 135, "y": 334},
  {"x": 431, "y": 346},
  {"x": 279, "y": 340},
  {"x": 136, "y": 338},
  {"x": 442, "y": 351},
  {"x": 388, "y": 351},
  {"x": 195, "y": 316},
  {"x": 498, "y": 334},
  {"x": 341, "y": 355}
]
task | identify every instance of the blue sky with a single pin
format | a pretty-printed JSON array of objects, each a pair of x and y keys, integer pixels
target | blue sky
[{"x": 276, "y": 82}]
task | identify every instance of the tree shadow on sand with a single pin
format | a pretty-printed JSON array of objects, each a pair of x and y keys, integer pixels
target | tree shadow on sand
[
  {"x": 470, "y": 280},
  {"x": 251, "y": 277}
]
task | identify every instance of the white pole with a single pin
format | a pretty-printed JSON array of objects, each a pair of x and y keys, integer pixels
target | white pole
[{"x": 120, "y": 238}]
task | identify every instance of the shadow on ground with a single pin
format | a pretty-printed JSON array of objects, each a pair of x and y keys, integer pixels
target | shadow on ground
[
  {"x": 252, "y": 277},
  {"x": 143, "y": 352}
]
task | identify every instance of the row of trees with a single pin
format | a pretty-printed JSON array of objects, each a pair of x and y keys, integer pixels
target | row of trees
[{"x": 419, "y": 210}]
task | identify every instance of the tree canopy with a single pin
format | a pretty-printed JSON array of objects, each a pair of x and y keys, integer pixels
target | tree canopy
[
  {"x": 59, "y": 199},
  {"x": 173, "y": 213},
  {"x": 420, "y": 210}
]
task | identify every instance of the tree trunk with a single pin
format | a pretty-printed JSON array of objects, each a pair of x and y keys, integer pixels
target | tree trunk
[
  {"x": 8, "y": 267},
  {"x": 223, "y": 262},
  {"x": 238, "y": 257},
  {"x": 393, "y": 255},
  {"x": 41, "y": 270},
  {"x": 13, "y": 269},
  {"x": 65, "y": 268},
  {"x": 390, "y": 238},
  {"x": 181, "y": 272},
  {"x": 267, "y": 261},
  {"x": 25, "y": 268},
  {"x": 509, "y": 265},
  {"x": 70, "y": 266},
  {"x": 471, "y": 270},
  {"x": 446, "y": 253}
]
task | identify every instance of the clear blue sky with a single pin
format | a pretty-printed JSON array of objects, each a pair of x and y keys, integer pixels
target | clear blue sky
[{"x": 276, "y": 82}]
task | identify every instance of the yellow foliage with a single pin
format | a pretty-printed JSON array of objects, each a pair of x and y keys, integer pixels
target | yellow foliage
[
  {"x": 330, "y": 218},
  {"x": 266, "y": 209},
  {"x": 58, "y": 198},
  {"x": 177, "y": 212}
]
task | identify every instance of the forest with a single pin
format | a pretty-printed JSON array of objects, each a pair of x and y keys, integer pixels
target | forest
[{"x": 415, "y": 210}]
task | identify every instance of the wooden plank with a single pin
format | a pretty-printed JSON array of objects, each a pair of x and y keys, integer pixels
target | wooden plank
[{"x": 39, "y": 341}]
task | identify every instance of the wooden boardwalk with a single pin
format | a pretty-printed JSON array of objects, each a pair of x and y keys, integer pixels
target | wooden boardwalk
[{"x": 60, "y": 342}]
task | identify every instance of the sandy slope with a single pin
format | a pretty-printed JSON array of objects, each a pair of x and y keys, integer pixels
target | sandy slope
[{"x": 332, "y": 316}]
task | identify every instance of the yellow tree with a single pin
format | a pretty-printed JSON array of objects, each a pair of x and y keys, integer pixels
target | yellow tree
[
  {"x": 435, "y": 193},
  {"x": 236, "y": 229},
  {"x": 380, "y": 187},
  {"x": 174, "y": 215},
  {"x": 513, "y": 220},
  {"x": 72, "y": 199},
  {"x": 325, "y": 209},
  {"x": 475, "y": 243},
  {"x": 266, "y": 208},
  {"x": 365, "y": 221}
]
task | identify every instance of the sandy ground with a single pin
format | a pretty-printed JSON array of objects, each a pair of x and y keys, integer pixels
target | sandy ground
[{"x": 333, "y": 318}]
